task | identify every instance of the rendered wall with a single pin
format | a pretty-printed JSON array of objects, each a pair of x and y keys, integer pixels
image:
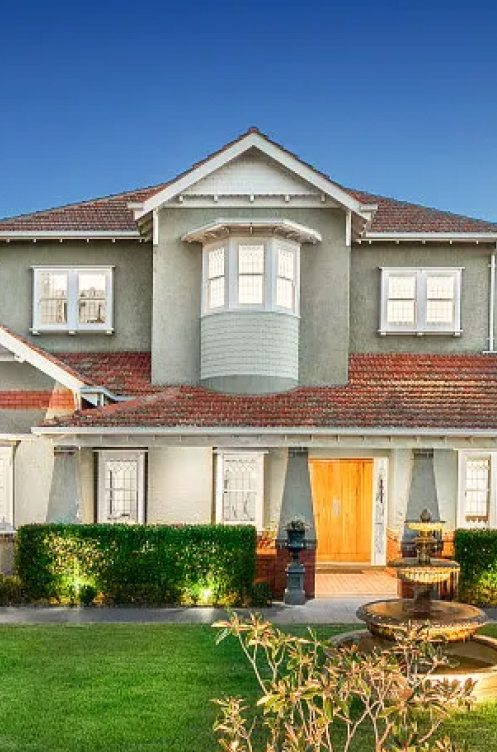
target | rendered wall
[
  {"x": 33, "y": 466},
  {"x": 180, "y": 485},
  {"x": 324, "y": 297},
  {"x": 365, "y": 297},
  {"x": 132, "y": 291}
]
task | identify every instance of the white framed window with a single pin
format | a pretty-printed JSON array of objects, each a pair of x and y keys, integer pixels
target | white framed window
[
  {"x": 121, "y": 487},
  {"x": 6, "y": 489},
  {"x": 420, "y": 301},
  {"x": 251, "y": 273},
  {"x": 72, "y": 299},
  {"x": 477, "y": 490},
  {"x": 240, "y": 488}
]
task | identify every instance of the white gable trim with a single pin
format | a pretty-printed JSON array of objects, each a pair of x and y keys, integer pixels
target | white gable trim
[
  {"x": 24, "y": 353},
  {"x": 247, "y": 142}
]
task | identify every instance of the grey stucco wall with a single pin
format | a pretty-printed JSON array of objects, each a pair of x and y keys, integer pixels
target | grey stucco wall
[
  {"x": 324, "y": 294},
  {"x": 33, "y": 466},
  {"x": 132, "y": 291},
  {"x": 258, "y": 343},
  {"x": 16, "y": 376},
  {"x": 180, "y": 485},
  {"x": 365, "y": 296}
]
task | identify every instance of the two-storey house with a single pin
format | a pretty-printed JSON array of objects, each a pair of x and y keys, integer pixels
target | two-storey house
[{"x": 248, "y": 342}]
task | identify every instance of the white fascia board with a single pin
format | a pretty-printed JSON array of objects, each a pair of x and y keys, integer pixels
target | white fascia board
[
  {"x": 239, "y": 431},
  {"x": 237, "y": 149},
  {"x": 435, "y": 236},
  {"x": 68, "y": 234}
]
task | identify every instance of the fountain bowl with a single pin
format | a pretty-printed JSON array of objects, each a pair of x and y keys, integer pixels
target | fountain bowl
[
  {"x": 410, "y": 570},
  {"x": 475, "y": 659},
  {"x": 447, "y": 621}
]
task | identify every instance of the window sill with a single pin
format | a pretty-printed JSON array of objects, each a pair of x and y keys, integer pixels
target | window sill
[
  {"x": 420, "y": 332},
  {"x": 247, "y": 309},
  {"x": 72, "y": 332}
]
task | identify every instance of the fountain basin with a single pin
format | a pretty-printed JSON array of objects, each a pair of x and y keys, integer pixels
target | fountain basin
[
  {"x": 447, "y": 621},
  {"x": 475, "y": 659},
  {"x": 410, "y": 570}
]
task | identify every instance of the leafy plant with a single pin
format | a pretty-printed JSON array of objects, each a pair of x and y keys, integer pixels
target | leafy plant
[
  {"x": 476, "y": 552},
  {"x": 11, "y": 591},
  {"x": 316, "y": 697},
  {"x": 138, "y": 564}
]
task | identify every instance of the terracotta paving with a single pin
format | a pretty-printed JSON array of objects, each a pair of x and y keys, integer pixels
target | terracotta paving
[{"x": 351, "y": 582}]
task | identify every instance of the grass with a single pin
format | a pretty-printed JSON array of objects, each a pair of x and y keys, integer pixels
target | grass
[{"x": 122, "y": 688}]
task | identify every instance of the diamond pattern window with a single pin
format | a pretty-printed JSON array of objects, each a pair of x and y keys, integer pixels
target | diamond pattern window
[
  {"x": 420, "y": 301},
  {"x": 121, "y": 487},
  {"x": 240, "y": 488},
  {"x": 72, "y": 299},
  {"x": 476, "y": 499}
]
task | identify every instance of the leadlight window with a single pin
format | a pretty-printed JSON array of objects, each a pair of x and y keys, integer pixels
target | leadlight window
[
  {"x": 72, "y": 299},
  {"x": 121, "y": 487},
  {"x": 420, "y": 301},
  {"x": 285, "y": 278},
  {"x": 6, "y": 506},
  {"x": 250, "y": 274},
  {"x": 477, "y": 491},
  {"x": 240, "y": 488}
]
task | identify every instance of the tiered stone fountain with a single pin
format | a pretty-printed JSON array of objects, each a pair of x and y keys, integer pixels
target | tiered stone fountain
[{"x": 448, "y": 622}]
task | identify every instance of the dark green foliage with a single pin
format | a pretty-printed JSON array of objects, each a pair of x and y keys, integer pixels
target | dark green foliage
[
  {"x": 143, "y": 564},
  {"x": 261, "y": 595},
  {"x": 11, "y": 591},
  {"x": 476, "y": 552}
]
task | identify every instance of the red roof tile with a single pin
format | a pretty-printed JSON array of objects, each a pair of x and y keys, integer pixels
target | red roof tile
[
  {"x": 112, "y": 212},
  {"x": 384, "y": 391},
  {"x": 122, "y": 373}
]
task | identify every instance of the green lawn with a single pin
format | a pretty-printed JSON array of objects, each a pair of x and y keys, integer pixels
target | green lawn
[{"x": 135, "y": 689}]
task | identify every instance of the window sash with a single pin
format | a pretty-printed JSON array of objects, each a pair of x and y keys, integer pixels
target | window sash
[
  {"x": 285, "y": 278},
  {"x": 420, "y": 301},
  {"x": 477, "y": 490},
  {"x": 240, "y": 488},
  {"x": 251, "y": 274},
  {"x": 121, "y": 492},
  {"x": 86, "y": 305}
]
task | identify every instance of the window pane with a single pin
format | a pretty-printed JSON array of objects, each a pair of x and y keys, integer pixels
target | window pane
[
  {"x": 401, "y": 312},
  {"x": 53, "y": 298},
  {"x": 216, "y": 263},
  {"x": 477, "y": 491},
  {"x": 402, "y": 287},
  {"x": 91, "y": 297},
  {"x": 241, "y": 481},
  {"x": 251, "y": 259},
  {"x": 121, "y": 490},
  {"x": 440, "y": 287},
  {"x": 216, "y": 293},
  {"x": 284, "y": 293},
  {"x": 250, "y": 289},
  {"x": 439, "y": 312},
  {"x": 286, "y": 265}
]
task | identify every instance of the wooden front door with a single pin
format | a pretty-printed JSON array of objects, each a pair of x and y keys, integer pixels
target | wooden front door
[{"x": 342, "y": 492}]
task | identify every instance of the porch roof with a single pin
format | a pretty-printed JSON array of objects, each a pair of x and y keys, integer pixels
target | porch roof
[{"x": 394, "y": 391}]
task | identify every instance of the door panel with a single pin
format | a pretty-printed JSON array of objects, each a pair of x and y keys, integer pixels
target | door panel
[{"x": 342, "y": 493}]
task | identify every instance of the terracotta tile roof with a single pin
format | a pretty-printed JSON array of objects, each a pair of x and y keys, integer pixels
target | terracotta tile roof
[
  {"x": 112, "y": 213},
  {"x": 399, "y": 216},
  {"x": 384, "y": 391},
  {"x": 122, "y": 373}
]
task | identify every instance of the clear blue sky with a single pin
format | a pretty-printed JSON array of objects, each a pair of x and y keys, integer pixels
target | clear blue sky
[{"x": 397, "y": 97}]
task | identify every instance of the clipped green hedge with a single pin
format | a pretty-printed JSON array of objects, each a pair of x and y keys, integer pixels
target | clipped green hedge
[
  {"x": 476, "y": 552},
  {"x": 190, "y": 564}
]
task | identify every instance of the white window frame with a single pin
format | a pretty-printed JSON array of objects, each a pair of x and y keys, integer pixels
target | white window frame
[
  {"x": 492, "y": 512},
  {"x": 420, "y": 326},
  {"x": 105, "y": 456},
  {"x": 221, "y": 457},
  {"x": 6, "y": 455},
  {"x": 231, "y": 245},
  {"x": 72, "y": 326}
]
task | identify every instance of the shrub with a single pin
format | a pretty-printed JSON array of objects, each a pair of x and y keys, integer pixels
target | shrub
[
  {"x": 261, "y": 595},
  {"x": 11, "y": 591},
  {"x": 476, "y": 552},
  {"x": 198, "y": 564},
  {"x": 317, "y": 697}
]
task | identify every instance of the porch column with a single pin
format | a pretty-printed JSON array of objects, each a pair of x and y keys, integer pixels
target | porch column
[
  {"x": 296, "y": 501},
  {"x": 64, "y": 501},
  {"x": 423, "y": 492}
]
